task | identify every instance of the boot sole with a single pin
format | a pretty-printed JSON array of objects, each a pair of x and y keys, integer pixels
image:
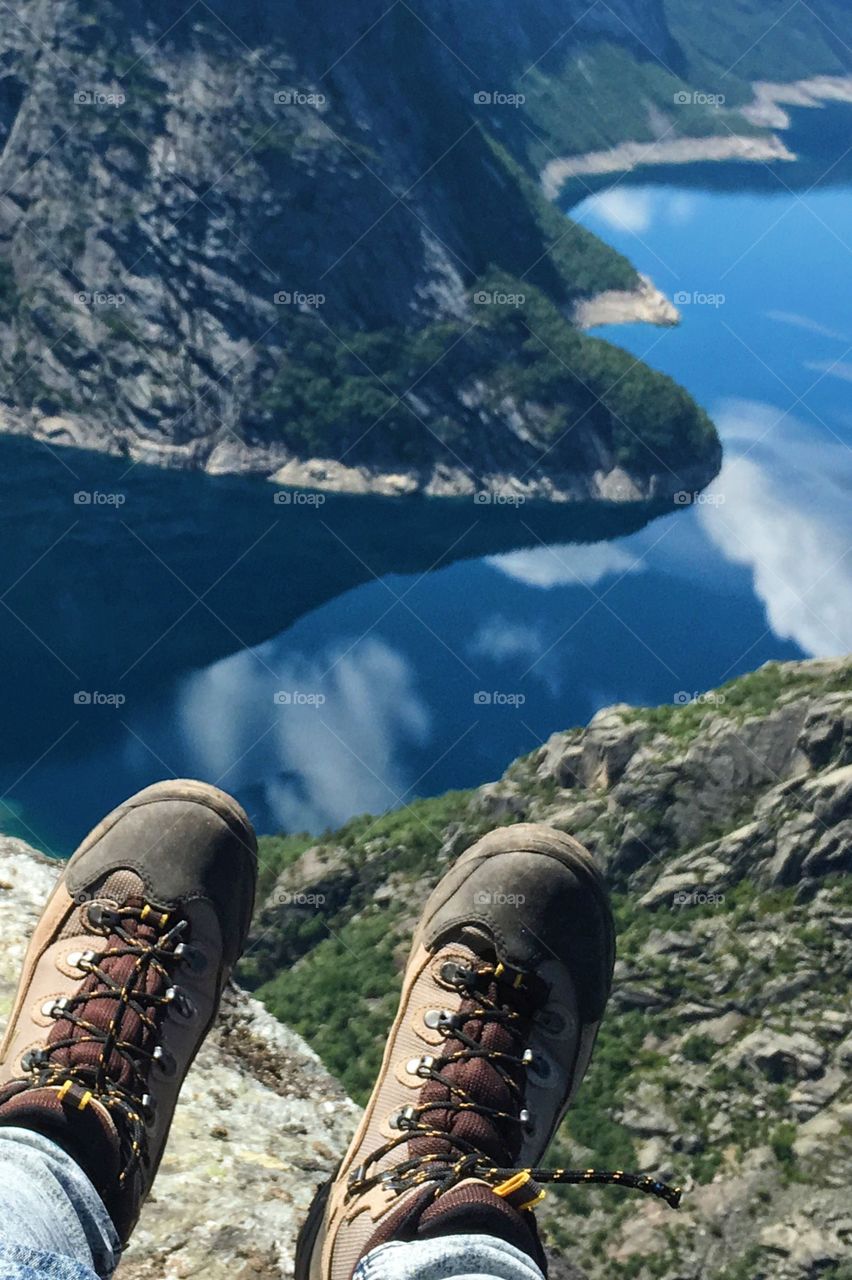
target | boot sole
[{"x": 522, "y": 837}]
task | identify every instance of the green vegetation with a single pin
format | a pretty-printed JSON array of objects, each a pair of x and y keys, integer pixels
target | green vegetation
[
  {"x": 357, "y": 390},
  {"x": 754, "y": 694},
  {"x": 344, "y": 1000},
  {"x": 603, "y": 95},
  {"x": 781, "y": 1141},
  {"x": 731, "y": 45}
]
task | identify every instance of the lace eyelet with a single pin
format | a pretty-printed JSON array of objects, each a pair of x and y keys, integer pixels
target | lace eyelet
[
  {"x": 165, "y": 1063},
  {"x": 192, "y": 957},
  {"x": 551, "y": 1022},
  {"x": 437, "y": 1019},
  {"x": 101, "y": 918},
  {"x": 180, "y": 1003},
  {"x": 420, "y": 1066},
  {"x": 454, "y": 973},
  {"x": 79, "y": 959},
  {"x": 54, "y": 1007},
  {"x": 404, "y": 1119}
]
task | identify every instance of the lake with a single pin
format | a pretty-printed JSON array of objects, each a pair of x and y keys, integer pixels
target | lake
[{"x": 321, "y": 659}]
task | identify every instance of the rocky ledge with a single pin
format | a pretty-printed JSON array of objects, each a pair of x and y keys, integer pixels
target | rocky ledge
[{"x": 260, "y": 1122}]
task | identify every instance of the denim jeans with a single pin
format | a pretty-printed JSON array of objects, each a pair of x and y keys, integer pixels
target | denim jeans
[
  {"x": 53, "y": 1223},
  {"x": 53, "y": 1226}
]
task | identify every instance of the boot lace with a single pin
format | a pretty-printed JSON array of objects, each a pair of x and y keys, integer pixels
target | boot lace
[
  {"x": 440, "y": 1154},
  {"x": 105, "y": 1040}
]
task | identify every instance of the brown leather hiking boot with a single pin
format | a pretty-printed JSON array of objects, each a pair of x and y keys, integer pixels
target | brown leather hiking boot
[
  {"x": 122, "y": 981},
  {"x": 507, "y": 981}
]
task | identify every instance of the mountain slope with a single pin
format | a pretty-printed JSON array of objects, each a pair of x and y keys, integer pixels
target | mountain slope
[
  {"x": 245, "y": 238},
  {"x": 245, "y": 241},
  {"x": 725, "y": 828}
]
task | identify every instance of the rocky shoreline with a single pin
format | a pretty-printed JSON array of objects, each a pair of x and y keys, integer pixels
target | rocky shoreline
[
  {"x": 770, "y": 98},
  {"x": 643, "y": 305},
  {"x": 631, "y": 155},
  {"x": 606, "y": 482},
  {"x": 765, "y": 111},
  {"x": 646, "y": 304}
]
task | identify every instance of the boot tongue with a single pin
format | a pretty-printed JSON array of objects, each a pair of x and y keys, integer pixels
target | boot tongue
[
  {"x": 478, "y": 1081},
  {"x": 108, "y": 1015}
]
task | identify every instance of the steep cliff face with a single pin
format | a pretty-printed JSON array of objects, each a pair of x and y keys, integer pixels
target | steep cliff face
[
  {"x": 254, "y": 236},
  {"x": 725, "y": 827}
]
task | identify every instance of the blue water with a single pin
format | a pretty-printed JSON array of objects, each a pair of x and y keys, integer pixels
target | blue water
[{"x": 333, "y": 660}]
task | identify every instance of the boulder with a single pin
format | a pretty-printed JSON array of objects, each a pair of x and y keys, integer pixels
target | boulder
[{"x": 779, "y": 1056}]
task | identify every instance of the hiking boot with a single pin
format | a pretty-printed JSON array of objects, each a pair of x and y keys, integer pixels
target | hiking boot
[
  {"x": 122, "y": 981},
  {"x": 506, "y": 984}
]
